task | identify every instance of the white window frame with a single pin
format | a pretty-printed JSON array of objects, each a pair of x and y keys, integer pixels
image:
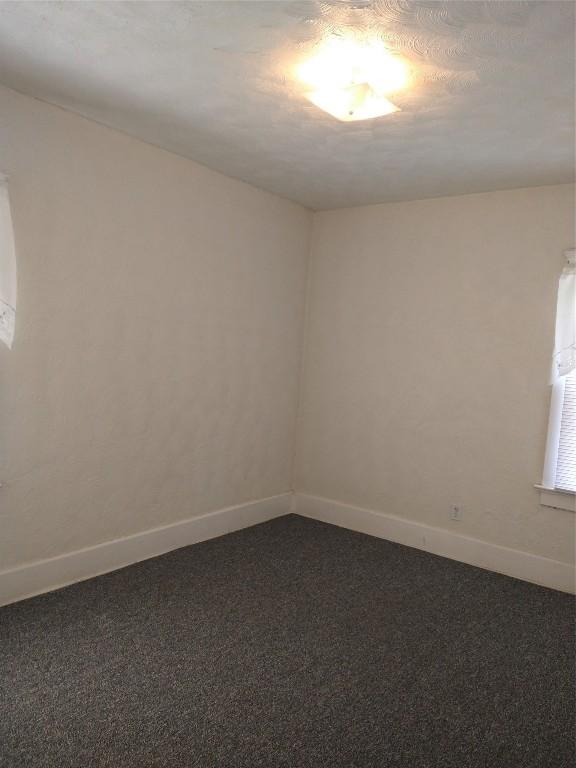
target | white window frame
[
  {"x": 7, "y": 267},
  {"x": 550, "y": 496}
]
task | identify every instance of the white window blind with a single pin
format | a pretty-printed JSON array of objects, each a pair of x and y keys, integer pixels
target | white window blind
[
  {"x": 566, "y": 466},
  {"x": 560, "y": 459},
  {"x": 7, "y": 269}
]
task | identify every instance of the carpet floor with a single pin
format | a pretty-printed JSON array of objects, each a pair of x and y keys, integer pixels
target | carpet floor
[{"x": 292, "y": 643}]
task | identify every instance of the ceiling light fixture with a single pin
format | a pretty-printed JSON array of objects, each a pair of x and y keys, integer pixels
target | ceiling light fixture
[{"x": 350, "y": 79}]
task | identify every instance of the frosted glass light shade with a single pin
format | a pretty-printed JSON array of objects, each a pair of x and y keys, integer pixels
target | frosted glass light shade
[{"x": 349, "y": 79}]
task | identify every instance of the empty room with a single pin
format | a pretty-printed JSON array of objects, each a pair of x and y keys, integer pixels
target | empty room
[{"x": 287, "y": 384}]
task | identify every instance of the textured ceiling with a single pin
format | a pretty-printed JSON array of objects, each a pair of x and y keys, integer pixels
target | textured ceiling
[{"x": 491, "y": 107}]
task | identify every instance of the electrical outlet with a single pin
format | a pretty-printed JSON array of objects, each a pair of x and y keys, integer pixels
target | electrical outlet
[{"x": 455, "y": 512}]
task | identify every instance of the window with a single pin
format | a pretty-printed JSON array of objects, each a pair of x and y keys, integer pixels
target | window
[
  {"x": 7, "y": 269},
  {"x": 566, "y": 463},
  {"x": 560, "y": 462}
]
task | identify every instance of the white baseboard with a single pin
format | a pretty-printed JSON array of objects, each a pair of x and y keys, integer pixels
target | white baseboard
[
  {"x": 46, "y": 575},
  {"x": 492, "y": 557}
]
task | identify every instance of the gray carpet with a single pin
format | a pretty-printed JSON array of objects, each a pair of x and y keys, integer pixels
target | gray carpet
[{"x": 292, "y": 643}]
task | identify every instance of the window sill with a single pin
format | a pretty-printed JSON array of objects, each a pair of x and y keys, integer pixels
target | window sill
[{"x": 549, "y": 497}]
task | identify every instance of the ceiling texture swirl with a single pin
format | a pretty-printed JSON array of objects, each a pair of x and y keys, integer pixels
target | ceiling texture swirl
[{"x": 490, "y": 103}]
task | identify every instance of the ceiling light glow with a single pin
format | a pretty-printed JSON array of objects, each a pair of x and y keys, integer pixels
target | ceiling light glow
[{"x": 350, "y": 79}]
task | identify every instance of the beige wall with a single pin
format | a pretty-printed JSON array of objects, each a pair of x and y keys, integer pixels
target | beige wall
[
  {"x": 429, "y": 331},
  {"x": 154, "y": 370}
]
